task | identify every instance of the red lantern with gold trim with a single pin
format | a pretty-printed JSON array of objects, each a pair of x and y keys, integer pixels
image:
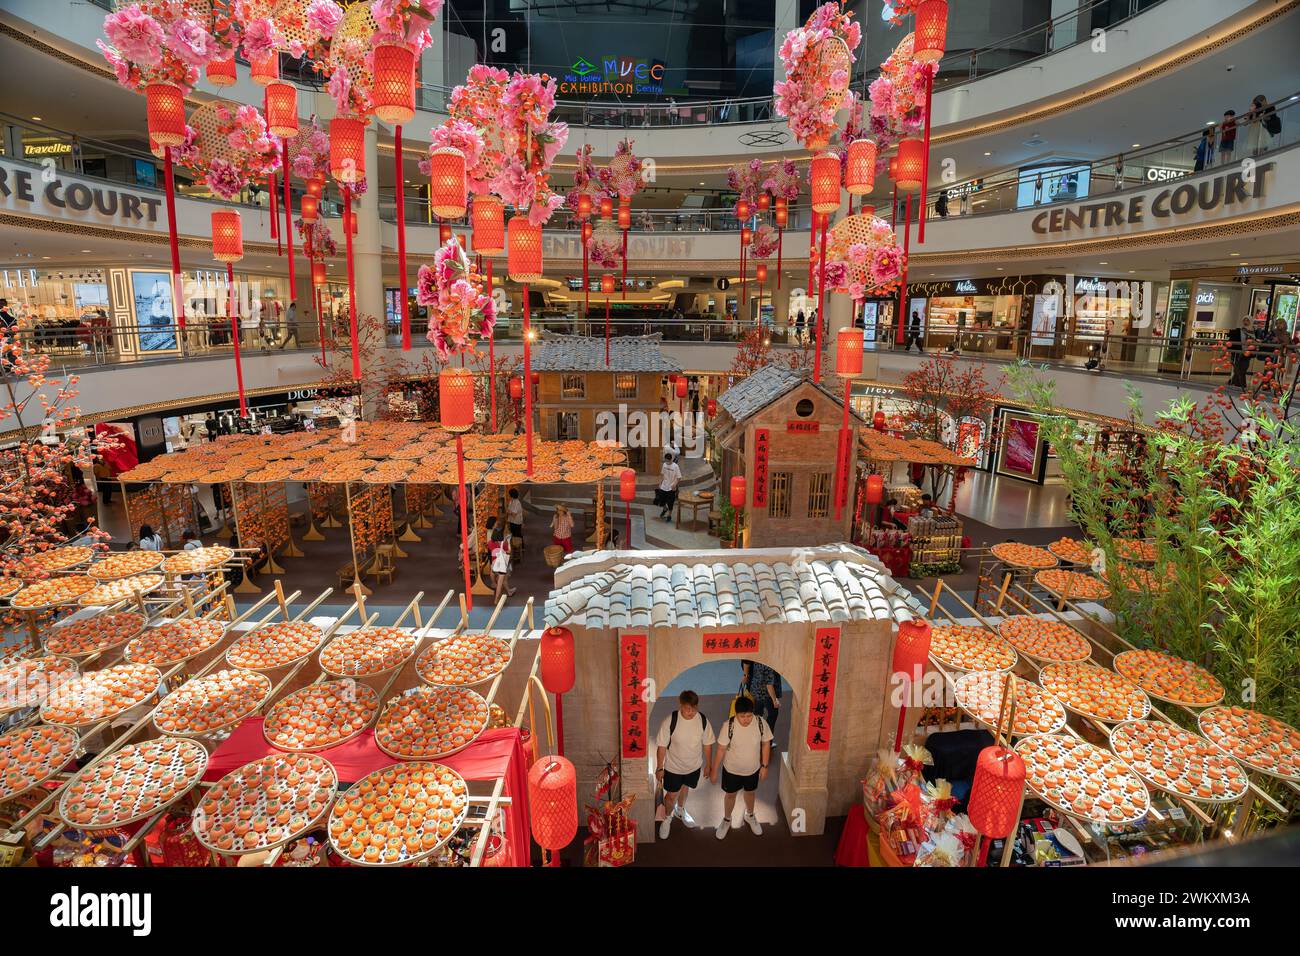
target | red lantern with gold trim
[
  {"x": 347, "y": 149},
  {"x": 911, "y": 165},
  {"x": 447, "y": 182},
  {"x": 456, "y": 399},
  {"x": 222, "y": 72},
  {"x": 930, "y": 37},
  {"x": 165, "y": 108},
  {"x": 488, "y": 218},
  {"x": 764, "y": 202},
  {"x": 392, "y": 95},
  {"x": 227, "y": 236},
  {"x": 825, "y": 177},
  {"x": 860, "y": 167},
  {"x": 266, "y": 70},
  {"x": 523, "y": 249},
  {"x": 282, "y": 109}
]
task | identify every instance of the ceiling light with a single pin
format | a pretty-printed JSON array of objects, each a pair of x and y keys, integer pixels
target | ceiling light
[
  {"x": 1234, "y": 253},
  {"x": 85, "y": 251},
  {"x": 988, "y": 154},
  {"x": 1136, "y": 146},
  {"x": 37, "y": 118},
  {"x": 1103, "y": 263}
]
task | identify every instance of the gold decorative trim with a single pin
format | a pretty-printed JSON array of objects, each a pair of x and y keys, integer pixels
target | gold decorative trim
[{"x": 105, "y": 232}]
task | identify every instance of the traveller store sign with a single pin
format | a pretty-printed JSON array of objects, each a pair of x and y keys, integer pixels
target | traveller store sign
[
  {"x": 43, "y": 192},
  {"x": 1207, "y": 194},
  {"x": 613, "y": 75}
]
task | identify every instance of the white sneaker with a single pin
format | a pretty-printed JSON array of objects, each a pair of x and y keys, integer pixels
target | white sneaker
[
  {"x": 754, "y": 824},
  {"x": 687, "y": 821},
  {"x": 665, "y": 827},
  {"x": 723, "y": 828}
]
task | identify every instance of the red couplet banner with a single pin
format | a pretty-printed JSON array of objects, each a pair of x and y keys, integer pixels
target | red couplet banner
[
  {"x": 632, "y": 667},
  {"x": 762, "y": 446},
  {"x": 826, "y": 656}
]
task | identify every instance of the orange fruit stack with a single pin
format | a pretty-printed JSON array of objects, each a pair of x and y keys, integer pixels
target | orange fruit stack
[
  {"x": 198, "y": 559},
  {"x": 59, "y": 559},
  {"x": 1259, "y": 741},
  {"x": 52, "y": 591},
  {"x": 1044, "y": 639},
  {"x": 970, "y": 648},
  {"x": 1179, "y": 761},
  {"x": 368, "y": 651},
  {"x": 1095, "y": 692},
  {"x": 1170, "y": 678},
  {"x": 131, "y": 783},
  {"x": 93, "y": 634},
  {"x": 1072, "y": 585},
  {"x": 110, "y": 592},
  {"x": 1135, "y": 549},
  {"x": 1082, "y": 780},
  {"x": 1072, "y": 550},
  {"x": 123, "y": 564},
  {"x": 463, "y": 660},
  {"x": 1035, "y": 711},
  {"x": 26, "y": 683},
  {"x": 320, "y": 715},
  {"x": 175, "y": 641},
  {"x": 33, "y": 754},
  {"x": 428, "y": 722},
  {"x": 212, "y": 702},
  {"x": 101, "y": 694},
  {"x": 265, "y": 803},
  {"x": 399, "y": 814},
  {"x": 1023, "y": 555},
  {"x": 275, "y": 645}
]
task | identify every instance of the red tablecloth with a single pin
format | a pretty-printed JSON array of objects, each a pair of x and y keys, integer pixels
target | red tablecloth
[
  {"x": 853, "y": 850},
  {"x": 497, "y": 753}
]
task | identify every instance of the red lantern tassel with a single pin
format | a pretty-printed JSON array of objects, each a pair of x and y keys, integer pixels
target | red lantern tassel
[
  {"x": 821, "y": 301},
  {"x": 586, "y": 291},
  {"x": 606, "y": 331},
  {"x": 464, "y": 526},
  {"x": 492, "y": 360},
  {"x": 528, "y": 386},
  {"x": 234, "y": 335},
  {"x": 744, "y": 299},
  {"x": 178, "y": 291},
  {"x": 893, "y": 210},
  {"x": 901, "y": 319},
  {"x": 780, "y": 233},
  {"x": 401, "y": 243},
  {"x": 925, "y": 165},
  {"x": 288, "y": 223},
  {"x": 352, "y": 283},
  {"x": 275, "y": 212},
  {"x": 625, "y": 264}
]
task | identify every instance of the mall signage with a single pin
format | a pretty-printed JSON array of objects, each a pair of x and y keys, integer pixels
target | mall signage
[
  {"x": 1208, "y": 194},
  {"x": 613, "y": 75},
  {"x": 965, "y": 285},
  {"x": 53, "y": 196}
]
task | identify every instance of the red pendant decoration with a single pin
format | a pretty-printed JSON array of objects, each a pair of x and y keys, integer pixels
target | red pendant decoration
[
  {"x": 282, "y": 110},
  {"x": 930, "y": 37},
  {"x": 165, "y": 109},
  {"x": 860, "y": 167},
  {"x": 266, "y": 70},
  {"x": 826, "y": 183},
  {"x": 392, "y": 96},
  {"x": 222, "y": 72},
  {"x": 447, "y": 183},
  {"x": 911, "y": 165}
]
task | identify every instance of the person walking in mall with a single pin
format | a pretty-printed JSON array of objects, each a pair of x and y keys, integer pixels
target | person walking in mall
[
  {"x": 764, "y": 685},
  {"x": 1204, "y": 150},
  {"x": 741, "y": 754},
  {"x": 941, "y": 204},
  {"x": 150, "y": 540},
  {"x": 1236, "y": 339},
  {"x": 669, "y": 478},
  {"x": 914, "y": 333},
  {"x": 562, "y": 529},
  {"x": 1227, "y": 136},
  {"x": 9, "y": 329},
  {"x": 501, "y": 565},
  {"x": 683, "y": 747},
  {"x": 515, "y": 515}
]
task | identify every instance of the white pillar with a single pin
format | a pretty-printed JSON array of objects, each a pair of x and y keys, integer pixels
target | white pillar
[
  {"x": 367, "y": 249},
  {"x": 786, "y": 19}
]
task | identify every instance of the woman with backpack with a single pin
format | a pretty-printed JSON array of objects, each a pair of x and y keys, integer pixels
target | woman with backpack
[{"x": 683, "y": 744}]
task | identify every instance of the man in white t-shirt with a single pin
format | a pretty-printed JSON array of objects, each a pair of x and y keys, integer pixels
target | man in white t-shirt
[
  {"x": 669, "y": 478},
  {"x": 683, "y": 743},
  {"x": 742, "y": 752}
]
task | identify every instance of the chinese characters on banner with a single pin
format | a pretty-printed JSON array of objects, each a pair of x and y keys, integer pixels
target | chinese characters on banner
[
  {"x": 762, "y": 445},
  {"x": 826, "y": 655},
  {"x": 803, "y": 428},
  {"x": 632, "y": 665},
  {"x": 730, "y": 643}
]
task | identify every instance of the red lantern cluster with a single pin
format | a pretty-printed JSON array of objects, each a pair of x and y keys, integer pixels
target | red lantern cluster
[
  {"x": 392, "y": 94},
  {"x": 347, "y": 149},
  {"x": 456, "y": 399},
  {"x": 996, "y": 792},
  {"x": 524, "y": 249},
  {"x": 553, "y": 802},
  {"x": 447, "y": 182},
  {"x": 227, "y": 236},
  {"x": 489, "y": 222},
  {"x": 825, "y": 183},
  {"x": 860, "y": 167},
  {"x": 556, "y": 659},
  {"x": 738, "y": 491},
  {"x": 848, "y": 352},
  {"x": 165, "y": 108},
  {"x": 282, "y": 108}
]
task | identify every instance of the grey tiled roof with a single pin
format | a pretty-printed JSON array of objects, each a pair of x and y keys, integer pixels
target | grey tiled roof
[
  {"x": 757, "y": 391},
  {"x": 583, "y": 353},
  {"x": 773, "y": 586}
]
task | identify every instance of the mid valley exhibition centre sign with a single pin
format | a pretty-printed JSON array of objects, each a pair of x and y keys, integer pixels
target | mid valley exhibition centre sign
[
  {"x": 613, "y": 76},
  {"x": 1227, "y": 191}
]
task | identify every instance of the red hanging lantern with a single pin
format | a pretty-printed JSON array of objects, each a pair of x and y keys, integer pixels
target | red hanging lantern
[
  {"x": 227, "y": 236},
  {"x": 516, "y": 388},
  {"x": 996, "y": 792},
  {"x": 910, "y": 169},
  {"x": 866, "y": 210},
  {"x": 537, "y": 378},
  {"x": 624, "y": 214},
  {"x": 878, "y": 421},
  {"x": 392, "y": 95},
  {"x": 746, "y": 236},
  {"x": 738, "y": 491},
  {"x": 912, "y": 647},
  {"x": 165, "y": 107},
  {"x": 782, "y": 212},
  {"x": 683, "y": 387},
  {"x": 318, "y": 276},
  {"x": 489, "y": 223},
  {"x": 556, "y": 659},
  {"x": 309, "y": 206},
  {"x": 606, "y": 207},
  {"x": 760, "y": 272},
  {"x": 893, "y": 168},
  {"x": 456, "y": 399},
  {"x": 444, "y": 233},
  {"x": 742, "y": 210},
  {"x": 930, "y": 37},
  {"x": 875, "y": 489},
  {"x": 584, "y": 205},
  {"x": 848, "y": 352},
  {"x": 316, "y": 185},
  {"x": 764, "y": 202},
  {"x": 627, "y": 485},
  {"x": 524, "y": 250},
  {"x": 282, "y": 109},
  {"x": 825, "y": 183},
  {"x": 712, "y": 407},
  {"x": 607, "y": 284},
  {"x": 553, "y": 802},
  {"x": 462, "y": 240},
  {"x": 586, "y": 232},
  {"x": 860, "y": 167},
  {"x": 266, "y": 70},
  {"x": 222, "y": 72},
  {"x": 347, "y": 149},
  {"x": 447, "y": 182}
]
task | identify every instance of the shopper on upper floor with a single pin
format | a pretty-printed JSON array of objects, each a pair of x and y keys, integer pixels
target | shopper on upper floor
[
  {"x": 1227, "y": 136},
  {"x": 1204, "y": 150},
  {"x": 941, "y": 204},
  {"x": 741, "y": 754},
  {"x": 683, "y": 741},
  {"x": 1265, "y": 126},
  {"x": 1236, "y": 339}
]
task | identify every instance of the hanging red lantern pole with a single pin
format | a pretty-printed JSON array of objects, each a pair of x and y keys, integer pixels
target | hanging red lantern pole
[
  {"x": 393, "y": 101},
  {"x": 456, "y": 414},
  {"x": 625, "y": 223},
  {"x": 929, "y": 40},
  {"x": 165, "y": 109},
  {"x": 909, "y": 176},
  {"x": 228, "y": 247},
  {"x": 781, "y": 213},
  {"x": 553, "y": 805},
  {"x": 489, "y": 238},
  {"x": 627, "y": 493},
  {"x": 524, "y": 261},
  {"x": 848, "y": 364},
  {"x": 607, "y": 286},
  {"x": 317, "y": 280},
  {"x": 347, "y": 165},
  {"x": 825, "y": 176},
  {"x": 893, "y": 205},
  {"x": 746, "y": 236},
  {"x": 760, "y": 276},
  {"x": 911, "y": 650},
  {"x": 555, "y": 663},
  {"x": 282, "y": 121},
  {"x": 742, "y": 214},
  {"x": 737, "y": 492},
  {"x": 584, "y": 214}
]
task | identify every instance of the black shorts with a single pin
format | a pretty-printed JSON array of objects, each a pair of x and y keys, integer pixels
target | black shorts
[
  {"x": 731, "y": 783},
  {"x": 674, "y": 782},
  {"x": 516, "y": 530}
]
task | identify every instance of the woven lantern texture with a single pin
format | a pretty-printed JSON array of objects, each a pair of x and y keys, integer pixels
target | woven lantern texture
[
  {"x": 266, "y": 70},
  {"x": 875, "y": 489},
  {"x": 456, "y": 399},
  {"x": 912, "y": 647},
  {"x": 392, "y": 96},
  {"x": 556, "y": 660},
  {"x": 860, "y": 167},
  {"x": 282, "y": 108},
  {"x": 524, "y": 249},
  {"x": 227, "y": 236},
  {"x": 825, "y": 183},
  {"x": 165, "y": 110},
  {"x": 447, "y": 182},
  {"x": 553, "y": 802},
  {"x": 996, "y": 792},
  {"x": 931, "y": 35},
  {"x": 347, "y": 149},
  {"x": 222, "y": 72},
  {"x": 848, "y": 352},
  {"x": 911, "y": 165},
  {"x": 488, "y": 218}
]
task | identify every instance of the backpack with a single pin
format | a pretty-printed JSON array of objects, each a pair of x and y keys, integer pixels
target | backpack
[
  {"x": 1273, "y": 123},
  {"x": 672, "y": 728},
  {"x": 731, "y": 723}
]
